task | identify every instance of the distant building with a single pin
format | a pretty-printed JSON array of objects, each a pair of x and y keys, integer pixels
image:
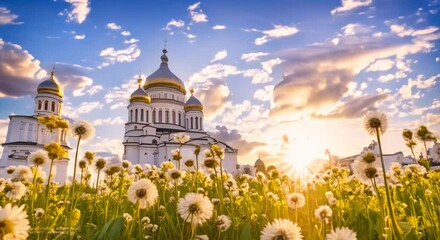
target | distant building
[
  {"x": 388, "y": 158},
  {"x": 26, "y": 135},
  {"x": 259, "y": 165},
  {"x": 158, "y": 110}
]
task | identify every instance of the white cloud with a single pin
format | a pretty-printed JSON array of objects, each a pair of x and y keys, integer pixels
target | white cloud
[
  {"x": 95, "y": 89},
  {"x": 129, "y": 54},
  {"x": 348, "y": 5},
  {"x": 6, "y": 17},
  {"x": 79, "y": 10},
  {"x": 402, "y": 30},
  {"x": 386, "y": 78},
  {"x": 190, "y": 36},
  {"x": 437, "y": 59},
  {"x": 109, "y": 121},
  {"x": 85, "y": 107},
  {"x": 406, "y": 91},
  {"x": 269, "y": 64},
  {"x": 80, "y": 37},
  {"x": 18, "y": 68},
  {"x": 131, "y": 41},
  {"x": 174, "y": 23},
  {"x": 118, "y": 96},
  {"x": 125, "y": 33},
  {"x": 113, "y": 26},
  {"x": 335, "y": 41},
  {"x": 257, "y": 75},
  {"x": 249, "y": 57},
  {"x": 261, "y": 40},
  {"x": 264, "y": 94},
  {"x": 278, "y": 31},
  {"x": 197, "y": 16},
  {"x": 219, "y": 27},
  {"x": 356, "y": 28},
  {"x": 220, "y": 55},
  {"x": 380, "y": 65},
  {"x": 107, "y": 145}
]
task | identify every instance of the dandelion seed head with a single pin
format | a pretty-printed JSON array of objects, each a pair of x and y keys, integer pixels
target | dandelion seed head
[
  {"x": 82, "y": 129},
  {"x": 195, "y": 208},
  {"x": 223, "y": 223},
  {"x": 14, "y": 223},
  {"x": 296, "y": 200},
  {"x": 374, "y": 121},
  {"x": 142, "y": 192},
  {"x": 342, "y": 233},
  {"x": 39, "y": 157},
  {"x": 281, "y": 229}
]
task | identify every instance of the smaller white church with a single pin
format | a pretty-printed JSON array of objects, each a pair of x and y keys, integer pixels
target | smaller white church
[
  {"x": 26, "y": 135},
  {"x": 158, "y": 109}
]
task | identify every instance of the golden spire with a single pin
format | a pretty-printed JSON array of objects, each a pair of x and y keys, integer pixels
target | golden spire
[
  {"x": 139, "y": 81},
  {"x": 191, "y": 90}
]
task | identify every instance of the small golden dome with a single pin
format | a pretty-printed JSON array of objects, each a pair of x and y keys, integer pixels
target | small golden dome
[
  {"x": 50, "y": 86},
  {"x": 140, "y": 95},
  {"x": 163, "y": 77},
  {"x": 193, "y": 103}
]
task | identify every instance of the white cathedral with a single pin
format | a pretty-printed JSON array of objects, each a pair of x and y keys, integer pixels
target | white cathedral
[
  {"x": 157, "y": 110},
  {"x": 25, "y": 134}
]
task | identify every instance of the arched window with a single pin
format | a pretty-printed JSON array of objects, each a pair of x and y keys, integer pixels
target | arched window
[
  {"x": 174, "y": 117},
  {"x": 142, "y": 115},
  {"x": 131, "y": 116},
  {"x": 136, "y": 115},
  {"x": 167, "y": 116},
  {"x": 154, "y": 116},
  {"x": 180, "y": 120},
  {"x": 53, "y": 106},
  {"x": 39, "y": 104},
  {"x": 160, "y": 116},
  {"x": 46, "y": 105},
  {"x": 192, "y": 126},
  {"x": 146, "y": 115},
  {"x": 197, "y": 122}
]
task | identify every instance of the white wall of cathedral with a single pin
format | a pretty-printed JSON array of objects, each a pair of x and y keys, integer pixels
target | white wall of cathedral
[
  {"x": 194, "y": 120},
  {"x": 140, "y": 112},
  {"x": 48, "y": 104}
]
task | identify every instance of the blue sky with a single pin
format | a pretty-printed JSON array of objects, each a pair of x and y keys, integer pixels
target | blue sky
[{"x": 331, "y": 62}]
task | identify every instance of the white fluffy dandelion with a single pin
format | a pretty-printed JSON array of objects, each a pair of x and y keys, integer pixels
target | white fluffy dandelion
[
  {"x": 143, "y": 192},
  {"x": 342, "y": 233},
  {"x": 281, "y": 229},
  {"x": 181, "y": 138},
  {"x": 82, "y": 129},
  {"x": 14, "y": 223},
  {"x": 365, "y": 168},
  {"x": 323, "y": 213},
  {"x": 23, "y": 173},
  {"x": 16, "y": 190},
  {"x": 375, "y": 121},
  {"x": 223, "y": 223},
  {"x": 295, "y": 200},
  {"x": 39, "y": 157},
  {"x": 195, "y": 208}
]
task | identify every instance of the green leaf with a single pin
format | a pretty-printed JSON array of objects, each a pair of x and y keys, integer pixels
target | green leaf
[
  {"x": 111, "y": 230},
  {"x": 409, "y": 232},
  {"x": 246, "y": 232}
]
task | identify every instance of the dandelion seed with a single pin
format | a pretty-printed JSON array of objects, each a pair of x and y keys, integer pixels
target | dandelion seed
[
  {"x": 223, "y": 223},
  {"x": 176, "y": 155},
  {"x": 323, "y": 213},
  {"x": 281, "y": 229},
  {"x": 14, "y": 223},
  {"x": 38, "y": 158},
  {"x": 343, "y": 233},
  {"x": 181, "y": 138},
  {"x": 375, "y": 121},
  {"x": 82, "y": 129},
  {"x": 143, "y": 192},
  {"x": 23, "y": 173},
  {"x": 128, "y": 217},
  {"x": 296, "y": 200},
  {"x": 38, "y": 213},
  {"x": 100, "y": 163},
  {"x": 15, "y": 190},
  {"x": 195, "y": 208}
]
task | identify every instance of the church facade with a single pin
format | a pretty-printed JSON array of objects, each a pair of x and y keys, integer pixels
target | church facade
[
  {"x": 157, "y": 111},
  {"x": 26, "y": 135}
]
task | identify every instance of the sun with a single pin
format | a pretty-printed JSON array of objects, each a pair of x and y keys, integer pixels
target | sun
[{"x": 300, "y": 156}]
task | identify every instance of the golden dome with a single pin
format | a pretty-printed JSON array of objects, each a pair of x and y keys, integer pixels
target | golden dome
[
  {"x": 50, "y": 86},
  {"x": 140, "y": 95},
  {"x": 193, "y": 103},
  {"x": 163, "y": 77}
]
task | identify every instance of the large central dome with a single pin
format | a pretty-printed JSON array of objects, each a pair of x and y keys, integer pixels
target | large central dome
[{"x": 163, "y": 77}]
